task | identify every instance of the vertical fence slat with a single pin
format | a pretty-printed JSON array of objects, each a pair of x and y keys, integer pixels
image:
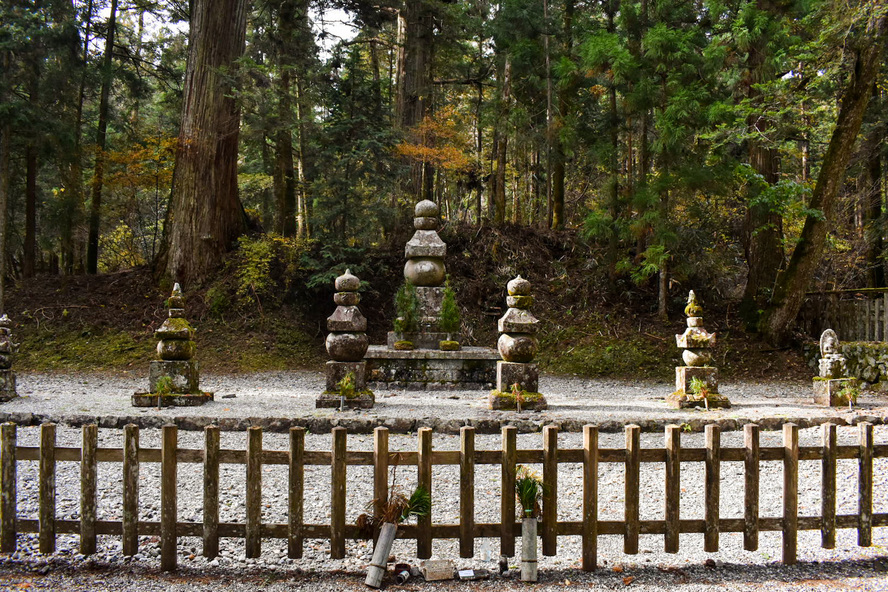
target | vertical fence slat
[
  {"x": 296, "y": 495},
  {"x": 211, "y": 492},
  {"x": 338, "y": 473},
  {"x": 130, "y": 520},
  {"x": 424, "y": 478},
  {"x": 550, "y": 491},
  {"x": 673, "y": 488},
  {"x": 828, "y": 488},
  {"x": 868, "y": 320},
  {"x": 713, "y": 483},
  {"x": 380, "y": 468},
  {"x": 168, "y": 512},
  {"x": 253, "y": 543},
  {"x": 751, "y": 487},
  {"x": 467, "y": 492},
  {"x": 47, "y": 504},
  {"x": 865, "y": 486},
  {"x": 507, "y": 495},
  {"x": 88, "y": 469},
  {"x": 590, "y": 497},
  {"x": 7, "y": 488},
  {"x": 632, "y": 486},
  {"x": 790, "y": 492},
  {"x": 885, "y": 317}
]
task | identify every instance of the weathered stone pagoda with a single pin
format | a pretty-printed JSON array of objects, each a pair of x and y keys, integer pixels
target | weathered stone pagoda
[
  {"x": 346, "y": 344},
  {"x": 517, "y": 377},
  {"x": 173, "y": 380},
  {"x": 7, "y": 350},
  {"x": 696, "y": 383},
  {"x": 426, "y": 366},
  {"x": 833, "y": 386}
]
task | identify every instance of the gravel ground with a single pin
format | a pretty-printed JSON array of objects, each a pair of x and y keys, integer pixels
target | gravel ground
[
  {"x": 843, "y": 568},
  {"x": 276, "y": 400}
]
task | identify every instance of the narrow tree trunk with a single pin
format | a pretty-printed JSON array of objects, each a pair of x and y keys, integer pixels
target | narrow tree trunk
[
  {"x": 29, "y": 248},
  {"x": 614, "y": 160},
  {"x": 5, "y": 133},
  {"x": 872, "y": 188},
  {"x": 499, "y": 195},
  {"x": 789, "y": 292},
  {"x": 95, "y": 208},
  {"x": 205, "y": 215},
  {"x": 565, "y": 106}
]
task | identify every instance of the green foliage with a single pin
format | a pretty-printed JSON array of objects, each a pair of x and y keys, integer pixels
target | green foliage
[
  {"x": 163, "y": 385},
  {"x": 406, "y": 309},
  {"x": 528, "y": 491},
  {"x": 450, "y": 319},
  {"x": 266, "y": 265},
  {"x": 699, "y": 389},
  {"x": 346, "y": 386},
  {"x": 218, "y": 302}
]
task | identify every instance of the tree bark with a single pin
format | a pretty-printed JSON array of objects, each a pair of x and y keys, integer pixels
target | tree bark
[
  {"x": 5, "y": 133},
  {"x": 498, "y": 213},
  {"x": 205, "y": 215},
  {"x": 789, "y": 292},
  {"x": 95, "y": 208},
  {"x": 872, "y": 198},
  {"x": 565, "y": 106}
]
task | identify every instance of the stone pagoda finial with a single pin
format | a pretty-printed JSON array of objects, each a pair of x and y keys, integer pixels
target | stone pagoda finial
[
  {"x": 7, "y": 351},
  {"x": 696, "y": 383}
]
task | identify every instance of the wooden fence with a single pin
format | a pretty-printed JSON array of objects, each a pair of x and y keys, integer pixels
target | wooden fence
[
  {"x": 672, "y": 455},
  {"x": 855, "y": 315}
]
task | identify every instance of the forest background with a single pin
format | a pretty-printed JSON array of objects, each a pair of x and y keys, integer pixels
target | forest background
[{"x": 616, "y": 152}]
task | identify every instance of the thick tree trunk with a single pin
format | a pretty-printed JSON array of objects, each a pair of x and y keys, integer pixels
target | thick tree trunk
[
  {"x": 95, "y": 208},
  {"x": 205, "y": 215},
  {"x": 285, "y": 189},
  {"x": 789, "y": 292},
  {"x": 872, "y": 189}
]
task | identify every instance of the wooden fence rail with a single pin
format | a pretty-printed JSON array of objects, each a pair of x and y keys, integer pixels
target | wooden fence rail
[
  {"x": 855, "y": 316},
  {"x": 295, "y": 530}
]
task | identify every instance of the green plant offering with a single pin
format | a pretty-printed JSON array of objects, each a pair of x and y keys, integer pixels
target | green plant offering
[
  {"x": 406, "y": 309},
  {"x": 449, "y": 320},
  {"x": 529, "y": 491},
  {"x": 347, "y": 385},
  {"x": 164, "y": 385},
  {"x": 849, "y": 393}
]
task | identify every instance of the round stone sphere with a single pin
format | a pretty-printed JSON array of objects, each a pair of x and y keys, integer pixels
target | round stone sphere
[
  {"x": 425, "y": 271},
  {"x": 175, "y": 349},
  {"x": 347, "y": 347},
  {"x": 347, "y": 282},
  {"x": 518, "y": 287},
  {"x": 346, "y": 298},
  {"x": 425, "y": 223},
  {"x": 426, "y": 209},
  {"x": 696, "y": 357},
  {"x": 523, "y": 302},
  {"x": 517, "y": 347}
]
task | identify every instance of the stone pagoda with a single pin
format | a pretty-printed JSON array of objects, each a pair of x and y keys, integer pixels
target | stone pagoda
[
  {"x": 414, "y": 358},
  {"x": 517, "y": 377},
  {"x": 696, "y": 383},
  {"x": 346, "y": 344},
  {"x": 173, "y": 380},
  {"x": 7, "y": 350},
  {"x": 833, "y": 387}
]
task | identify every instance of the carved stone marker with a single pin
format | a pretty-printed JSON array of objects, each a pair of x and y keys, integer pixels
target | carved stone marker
[
  {"x": 696, "y": 383},
  {"x": 833, "y": 387},
  {"x": 173, "y": 380},
  {"x": 517, "y": 377},
  {"x": 7, "y": 350},
  {"x": 346, "y": 343}
]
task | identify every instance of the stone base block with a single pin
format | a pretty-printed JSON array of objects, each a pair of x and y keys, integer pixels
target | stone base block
[
  {"x": 685, "y": 374},
  {"x": 173, "y": 400},
  {"x": 336, "y": 371},
  {"x": 828, "y": 391},
  {"x": 184, "y": 375},
  {"x": 7, "y": 386},
  {"x": 681, "y": 400},
  {"x": 332, "y": 400},
  {"x": 426, "y": 369},
  {"x": 506, "y": 401},
  {"x": 428, "y": 310},
  {"x": 525, "y": 375}
]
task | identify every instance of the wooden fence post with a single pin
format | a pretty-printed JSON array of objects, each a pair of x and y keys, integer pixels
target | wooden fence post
[
  {"x": 296, "y": 497},
  {"x": 673, "y": 488},
  {"x": 8, "y": 496},
  {"x": 380, "y": 468},
  {"x": 253, "y": 543},
  {"x": 130, "y": 515},
  {"x": 590, "y": 497},
  {"x": 550, "y": 491},
  {"x": 88, "y": 469},
  {"x": 211, "y": 492},
  {"x": 507, "y": 495},
  {"x": 47, "y": 503},
  {"x": 865, "y": 486},
  {"x": 751, "y": 487},
  {"x": 790, "y": 492},
  {"x": 632, "y": 486},
  {"x": 467, "y": 492},
  {"x": 168, "y": 507},
  {"x": 337, "y": 494},
  {"x": 713, "y": 483},
  {"x": 828, "y": 488},
  {"x": 424, "y": 478}
]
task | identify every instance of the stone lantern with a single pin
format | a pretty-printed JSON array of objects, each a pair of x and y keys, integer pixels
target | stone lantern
[{"x": 7, "y": 350}]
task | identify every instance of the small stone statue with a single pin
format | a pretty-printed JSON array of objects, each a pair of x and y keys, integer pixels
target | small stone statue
[
  {"x": 7, "y": 350},
  {"x": 696, "y": 383},
  {"x": 832, "y": 363},
  {"x": 833, "y": 386}
]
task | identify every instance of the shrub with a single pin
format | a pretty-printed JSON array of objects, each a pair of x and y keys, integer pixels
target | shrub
[{"x": 406, "y": 309}]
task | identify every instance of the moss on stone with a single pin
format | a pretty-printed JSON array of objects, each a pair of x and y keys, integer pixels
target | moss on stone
[
  {"x": 448, "y": 345},
  {"x": 403, "y": 345}
]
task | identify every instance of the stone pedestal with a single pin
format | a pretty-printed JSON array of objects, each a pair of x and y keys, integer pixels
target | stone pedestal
[
  {"x": 685, "y": 398},
  {"x": 431, "y": 369},
  {"x": 828, "y": 391},
  {"x": 428, "y": 310},
  {"x": 336, "y": 371},
  {"x": 526, "y": 376},
  {"x": 183, "y": 374},
  {"x": 685, "y": 374},
  {"x": 7, "y": 385}
]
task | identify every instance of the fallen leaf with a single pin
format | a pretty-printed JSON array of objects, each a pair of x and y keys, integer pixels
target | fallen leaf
[
  {"x": 618, "y": 569},
  {"x": 628, "y": 580}
]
